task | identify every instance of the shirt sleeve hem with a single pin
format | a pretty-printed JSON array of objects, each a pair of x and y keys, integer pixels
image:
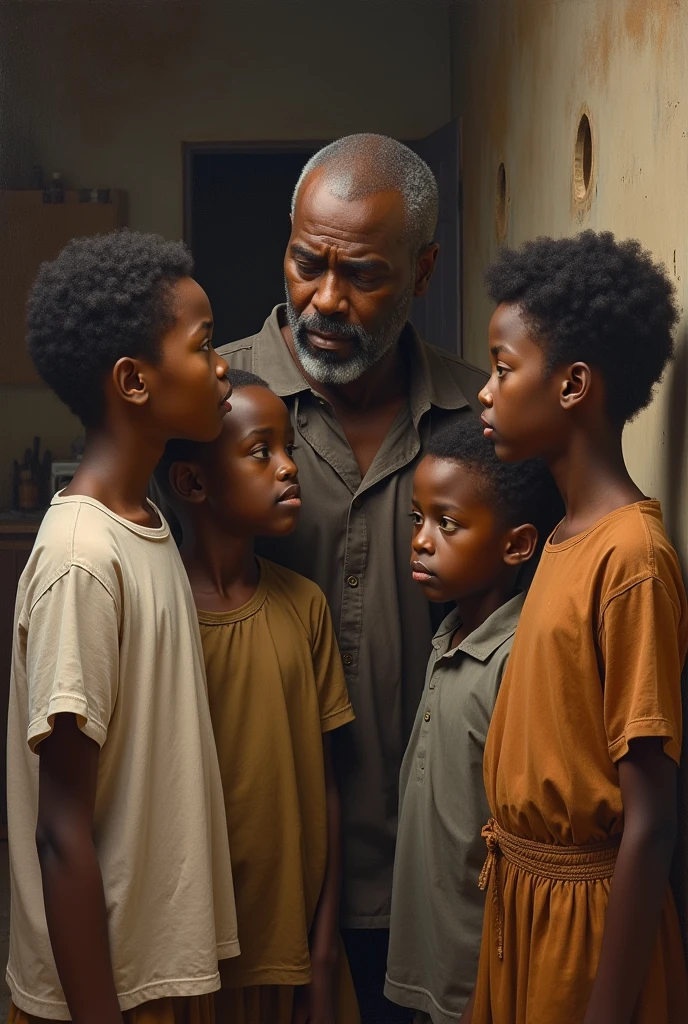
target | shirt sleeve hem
[
  {"x": 342, "y": 716},
  {"x": 640, "y": 728},
  {"x": 41, "y": 726}
]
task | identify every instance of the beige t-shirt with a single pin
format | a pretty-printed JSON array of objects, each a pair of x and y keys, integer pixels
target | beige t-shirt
[{"x": 105, "y": 628}]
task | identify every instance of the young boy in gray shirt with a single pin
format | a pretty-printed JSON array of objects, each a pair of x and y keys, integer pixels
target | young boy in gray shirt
[{"x": 478, "y": 525}]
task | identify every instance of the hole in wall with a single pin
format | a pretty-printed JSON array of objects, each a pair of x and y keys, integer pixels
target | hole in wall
[
  {"x": 582, "y": 160},
  {"x": 502, "y": 204}
]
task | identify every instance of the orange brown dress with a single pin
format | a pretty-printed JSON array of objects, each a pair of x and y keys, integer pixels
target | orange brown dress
[{"x": 596, "y": 663}]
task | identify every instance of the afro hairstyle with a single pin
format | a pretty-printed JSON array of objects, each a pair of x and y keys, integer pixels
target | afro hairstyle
[
  {"x": 517, "y": 492},
  {"x": 181, "y": 450},
  {"x": 594, "y": 299},
  {"x": 102, "y": 298}
]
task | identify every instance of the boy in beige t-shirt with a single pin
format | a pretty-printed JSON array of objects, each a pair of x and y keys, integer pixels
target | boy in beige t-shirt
[{"x": 121, "y": 881}]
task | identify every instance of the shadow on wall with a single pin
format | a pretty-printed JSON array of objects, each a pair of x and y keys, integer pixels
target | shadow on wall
[
  {"x": 677, "y": 436},
  {"x": 677, "y": 454}
]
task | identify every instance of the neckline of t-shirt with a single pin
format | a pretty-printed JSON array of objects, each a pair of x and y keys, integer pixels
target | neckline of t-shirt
[
  {"x": 161, "y": 532},
  {"x": 244, "y": 611},
  {"x": 633, "y": 506}
]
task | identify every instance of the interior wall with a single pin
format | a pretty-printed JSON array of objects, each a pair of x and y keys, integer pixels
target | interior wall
[
  {"x": 524, "y": 70},
  {"x": 106, "y": 92}
]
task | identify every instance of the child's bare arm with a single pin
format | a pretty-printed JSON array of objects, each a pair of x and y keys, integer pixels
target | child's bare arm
[
  {"x": 467, "y": 1015},
  {"x": 72, "y": 883},
  {"x": 317, "y": 1006},
  {"x": 638, "y": 888}
]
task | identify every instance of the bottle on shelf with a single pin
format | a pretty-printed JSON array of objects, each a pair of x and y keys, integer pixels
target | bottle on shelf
[{"x": 57, "y": 189}]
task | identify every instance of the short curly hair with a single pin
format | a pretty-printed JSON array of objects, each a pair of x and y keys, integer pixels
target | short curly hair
[
  {"x": 102, "y": 298},
  {"x": 518, "y": 492},
  {"x": 594, "y": 299}
]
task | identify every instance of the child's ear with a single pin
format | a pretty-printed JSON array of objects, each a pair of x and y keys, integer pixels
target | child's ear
[
  {"x": 521, "y": 542},
  {"x": 129, "y": 381},
  {"x": 576, "y": 385},
  {"x": 186, "y": 480}
]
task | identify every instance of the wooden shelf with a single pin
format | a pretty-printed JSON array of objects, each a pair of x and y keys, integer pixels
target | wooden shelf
[{"x": 32, "y": 231}]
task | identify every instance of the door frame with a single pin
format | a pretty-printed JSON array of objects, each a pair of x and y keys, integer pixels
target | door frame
[{"x": 190, "y": 149}]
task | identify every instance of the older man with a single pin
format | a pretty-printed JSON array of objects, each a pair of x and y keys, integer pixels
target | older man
[{"x": 364, "y": 393}]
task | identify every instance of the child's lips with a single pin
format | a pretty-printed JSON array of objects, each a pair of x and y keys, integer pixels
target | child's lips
[
  {"x": 291, "y": 496},
  {"x": 488, "y": 429},
  {"x": 421, "y": 573}
]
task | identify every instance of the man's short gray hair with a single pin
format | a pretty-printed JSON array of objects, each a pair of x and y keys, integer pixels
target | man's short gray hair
[{"x": 360, "y": 165}]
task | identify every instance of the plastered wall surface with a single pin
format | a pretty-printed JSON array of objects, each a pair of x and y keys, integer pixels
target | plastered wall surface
[
  {"x": 105, "y": 92},
  {"x": 524, "y": 71}
]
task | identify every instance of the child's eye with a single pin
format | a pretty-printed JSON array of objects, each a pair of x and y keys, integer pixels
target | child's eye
[
  {"x": 416, "y": 518},
  {"x": 290, "y": 449},
  {"x": 261, "y": 452},
  {"x": 448, "y": 525},
  {"x": 207, "y": 345},
  {"x": 501, "y": 370}
]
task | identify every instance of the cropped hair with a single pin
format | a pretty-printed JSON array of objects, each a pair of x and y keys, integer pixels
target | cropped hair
[
  {"x": 357, "y": 166},
  {"x": 518, "y": 492},
  {"x": 594, "y": 299},
  {"x": 102, "y": 298}
]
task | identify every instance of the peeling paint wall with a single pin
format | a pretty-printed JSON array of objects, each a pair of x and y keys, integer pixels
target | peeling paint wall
[
  {"x": 524, "y": 71},
  {"x": 105, "y": 91}
]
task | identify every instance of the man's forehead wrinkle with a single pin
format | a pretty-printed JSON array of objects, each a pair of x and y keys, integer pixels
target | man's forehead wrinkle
[{"x": 361, "y": 231}]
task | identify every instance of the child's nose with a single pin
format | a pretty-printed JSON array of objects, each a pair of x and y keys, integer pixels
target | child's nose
[
  {"x": 485, "y": 396},
  {"x": 422, "y": 541},
  {"x": 287, "y": 469},
  {"x": 221, "y": 366}
]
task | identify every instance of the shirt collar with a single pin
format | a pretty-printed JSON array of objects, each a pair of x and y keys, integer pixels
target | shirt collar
[
  {"x": 431, "y": 384},
  {"x": 483, "y": 641}
]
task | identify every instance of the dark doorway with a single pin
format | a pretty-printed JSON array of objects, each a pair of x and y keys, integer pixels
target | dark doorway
[{"x": 237, "y": 224}]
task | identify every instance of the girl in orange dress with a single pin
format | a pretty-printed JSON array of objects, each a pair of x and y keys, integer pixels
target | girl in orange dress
[{"x": 580, "y": 763}]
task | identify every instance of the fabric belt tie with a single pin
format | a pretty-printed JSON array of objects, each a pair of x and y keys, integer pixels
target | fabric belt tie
[{"x": 588, "y": 863}]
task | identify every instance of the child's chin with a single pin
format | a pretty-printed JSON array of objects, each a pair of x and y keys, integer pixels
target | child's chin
[
  {"x": 434, "y": 593},
  {"x": 286, "y": 525}
]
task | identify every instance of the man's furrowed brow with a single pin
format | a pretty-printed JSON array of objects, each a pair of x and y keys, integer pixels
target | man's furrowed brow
[{"x": 304, "y": 254}]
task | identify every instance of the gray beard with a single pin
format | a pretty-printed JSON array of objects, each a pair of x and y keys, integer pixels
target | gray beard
[{"x": 329, "y": 367}]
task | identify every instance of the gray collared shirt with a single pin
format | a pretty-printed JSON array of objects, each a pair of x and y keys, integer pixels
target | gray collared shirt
[
  {"x": 353, "y": 540},
  {"x": 437, "y": 908}
]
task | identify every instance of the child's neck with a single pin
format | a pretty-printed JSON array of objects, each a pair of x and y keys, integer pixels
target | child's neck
[
  {"x": 116, "y": 469},
  {"x": 593, "y": 479},
  {"x": 222, "y": 568},
  {"x": 477, "y": 608}
]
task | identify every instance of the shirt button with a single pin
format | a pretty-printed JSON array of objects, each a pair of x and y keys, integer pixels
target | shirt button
[
  {"x": 426, "y": 716},
  {"x": 347, "y": 659},
  {"x": 352, "y": 581},
  {"x": 357, "y": 503}
]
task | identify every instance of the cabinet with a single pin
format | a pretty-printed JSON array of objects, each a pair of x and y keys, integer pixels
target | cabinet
[
  {"x": 32, "y": 231},
  {"x": 16, "y": 541}
]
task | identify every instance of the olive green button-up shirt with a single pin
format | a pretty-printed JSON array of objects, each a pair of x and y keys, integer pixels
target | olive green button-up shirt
[
  {"x": 437, "y": 907},
  {"x": 353, "y": 540}
]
